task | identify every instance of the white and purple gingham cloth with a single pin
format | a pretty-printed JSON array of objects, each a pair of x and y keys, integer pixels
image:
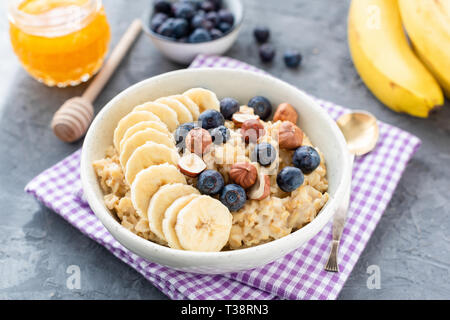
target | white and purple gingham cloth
[{"x": 298, "y": 275}]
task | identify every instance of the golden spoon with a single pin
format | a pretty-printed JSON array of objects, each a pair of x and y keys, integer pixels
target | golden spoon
[{"x": 361, "y": 132}]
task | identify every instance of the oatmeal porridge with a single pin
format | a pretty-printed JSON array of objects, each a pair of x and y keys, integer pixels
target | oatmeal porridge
[{"x": 194, "y": 173}]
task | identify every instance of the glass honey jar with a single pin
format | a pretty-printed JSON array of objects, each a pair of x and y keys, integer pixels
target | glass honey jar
[{"x": 59, "y": 42}]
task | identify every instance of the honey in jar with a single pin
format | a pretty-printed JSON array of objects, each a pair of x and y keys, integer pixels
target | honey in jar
[{"x": 59, "y": 42}]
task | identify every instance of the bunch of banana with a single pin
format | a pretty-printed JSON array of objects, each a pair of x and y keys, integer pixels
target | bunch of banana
[
  {"x": 176, "y": 211},
  {"x": 402, "y": 80}
]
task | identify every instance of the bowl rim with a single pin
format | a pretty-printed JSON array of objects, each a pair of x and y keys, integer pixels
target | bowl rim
[
  {"x": 149, "y": 12},
  {"x": 108, "y": 221}
]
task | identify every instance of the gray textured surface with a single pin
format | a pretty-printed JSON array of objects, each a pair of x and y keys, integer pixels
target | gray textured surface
[{"x": 411, "y": 245}]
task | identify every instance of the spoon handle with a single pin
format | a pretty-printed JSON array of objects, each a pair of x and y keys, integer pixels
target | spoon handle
[{"x": 338, "y": 226}]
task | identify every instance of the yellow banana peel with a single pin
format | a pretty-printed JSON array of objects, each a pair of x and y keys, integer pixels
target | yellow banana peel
[
  {"x": 428, "y": 26},
  {"x": 385, "y": 61}
]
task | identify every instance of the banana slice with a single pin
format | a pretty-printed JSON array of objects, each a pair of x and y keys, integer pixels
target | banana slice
[
  {"x": 203, "y": 225},
  {"x": 130, "y": 120},
  {"x": 149, "y": 154},
  {"x": 162, "y": 200},
  {"x": 140, "y": 138},
  {"x": 170, "y": 219},
  {"x": 183, "y": 113},
  {"x": 204, "y": 98},
  {"x": 188, "y": 103},
  {"x": 157, "y": 125},
  {"x": 166, "y": 114},
  {"x": 148, "y": 181}
]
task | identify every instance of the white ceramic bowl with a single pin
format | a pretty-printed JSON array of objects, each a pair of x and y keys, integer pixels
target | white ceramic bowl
[
  {"x": 184, "y": 53},
  {"x": 241, "y": 85}
]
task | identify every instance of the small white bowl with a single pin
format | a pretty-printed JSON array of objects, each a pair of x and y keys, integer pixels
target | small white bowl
[
  {"x": 184, "y": 53},
  {"x": 241, "y": 85}
]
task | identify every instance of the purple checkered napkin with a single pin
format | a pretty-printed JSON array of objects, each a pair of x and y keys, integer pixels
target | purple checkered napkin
[{"x": 298, "y": 275}]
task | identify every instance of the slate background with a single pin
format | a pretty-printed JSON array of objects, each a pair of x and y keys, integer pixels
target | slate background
[{"x": 411, "y": 245}]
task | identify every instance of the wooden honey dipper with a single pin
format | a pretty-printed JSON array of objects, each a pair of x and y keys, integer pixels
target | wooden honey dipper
[{"x": 73, "y": 118}]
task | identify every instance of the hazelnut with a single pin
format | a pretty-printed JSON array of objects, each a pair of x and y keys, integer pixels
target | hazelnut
[
  {"x": 261, "y": 189},
  {"x": 251, "y": 130},
  {"x": 290, "y": 136},
  {"x": 285, "y": 112},
  {"x": 247, "y": 110},
  {"x": 198, "y": 141},
  {"x": 244, "y": 174},
  {"x": 191, "y": 165},
  {"x": 239, "y": 118}
]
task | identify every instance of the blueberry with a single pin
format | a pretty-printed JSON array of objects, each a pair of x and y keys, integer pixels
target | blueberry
[
  {"x": 290, "y": 178},
  {"x": 201, "y": 13},
  {"x": 267, "y": 52},
  {"x": 292, "y": 58},
  {"x": 261, "y": 34},
  {"x": 197, "y": 21},
  {"x": 306, "y": 158},
  {"x": 213, "y": 17},
  {"x": 264, "y": 153},
  {"x": 181, "y": 133},
  {"x": 167, "y": 28},
  {"x": 181, "y": 28},
  {"x": 210, "y": 119},
  {"x": 233, "y": 197},
  {"x": 194, "y": 3},
  {"x": 261, "y": 106},
  {"x": 228, "y": 106},
  {"x": 184, "y": 10},
  {"x": 220, "y": 135},
  {"x": 199, "y": 35},
  {"x": 208, "y": 6},
  {"x": 225, "y": 27},
  {"x": 175, "y": 5},
  {"x": 215, "y": 34},
  {"x": 163, "y": 6},
  {"x": 210, "y": 182},
  {"x": 207, "y": 24},
  {"x": 157, "y": 20},
  {"x": 217, "y": 4},
  {"x": 226, "y": 16}
]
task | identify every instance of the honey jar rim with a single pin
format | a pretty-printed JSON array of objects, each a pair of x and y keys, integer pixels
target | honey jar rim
[{"x": 58, "y": 25}]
